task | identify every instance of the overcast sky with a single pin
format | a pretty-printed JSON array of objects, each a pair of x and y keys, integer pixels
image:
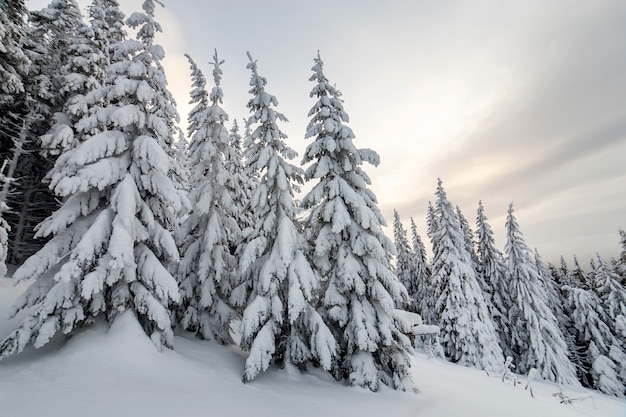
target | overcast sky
[{"x": 504, "y": 101}]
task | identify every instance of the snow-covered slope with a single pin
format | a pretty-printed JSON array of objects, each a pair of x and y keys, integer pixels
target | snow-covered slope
[{"x": 118, "y": 372}]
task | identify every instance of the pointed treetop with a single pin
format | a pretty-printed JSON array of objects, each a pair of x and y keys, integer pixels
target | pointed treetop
[
  {"x": 324, "y": 88},
  {"x": 318, "y": 70},
  {"x": 199, "y": 98},
  {"x": 515, "y": 245},
  {"x": 622, "y": 241},
  {"x": 217, "y": 72},
  {"x": 252, "y": 64},
  {"x": 148, "y": 6},
  {"x": 258, "y": 84},
  {"x": 262, "y": 100},
  {"x": 513, "y": 225},
  {"x": 198, "y": 79},
  {"x": 440, "y": 192},
  {"x": 511, "y": 219},
  {"x": 149, "y": 27},
  {"x": 216, "y": 93}
]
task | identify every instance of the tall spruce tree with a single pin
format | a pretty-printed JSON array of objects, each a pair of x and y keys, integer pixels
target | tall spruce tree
[
  {"x": 110, "y": 238},
  {"x": 422, "y": 272},
  {"x": 555, "y": 297},
  {"x": 556, "y": 301},
  {"x": 492, "y": 278},
  {"x": 350, "y": 250},
  {"x": 280, "y": 322},
  {"x": 602, "y": 359},
  {"x": 406, "y": 266},
  {"x": 576, "y": 277},
  {"x": 613, "y": 295},
  {"x": 563, "y": 272},
  {"x": 429, "y": 315},
  {"x": 180, "y": 153},
  {"x": 621, "y": 261},
  {"x": 164, "y": 114},
  {"x": 207, "y": 270},
  {"x": 536, "y": 340},
  {"x": 251, "y": 176},
  {"x": 234, "y": 163},
  {"x": 468, "y": 336},
  {"x": 468, "y": 237}
]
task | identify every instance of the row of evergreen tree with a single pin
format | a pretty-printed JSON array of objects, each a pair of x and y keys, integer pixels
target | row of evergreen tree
[
  {"x": 131, "y": 219},
  {"x": 568, "y": 324},
  {"x": 191, "y": 237}
]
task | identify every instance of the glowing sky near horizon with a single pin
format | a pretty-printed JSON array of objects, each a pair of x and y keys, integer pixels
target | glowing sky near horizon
[{"x": 504, "y": 101}]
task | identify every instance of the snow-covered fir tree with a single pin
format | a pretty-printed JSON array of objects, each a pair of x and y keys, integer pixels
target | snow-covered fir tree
[
  {"x": 554, "y": 274},
  {"x": 279, "y": 287},
  {"x": 110, "y": 238},
  {"x": 468, "y": 336},
  {"x": 555, "y": 297},
  {"x": 430, "y": 299},
  {"x": 422, "y": 272},
  {"x": 200, "y": 101},
  {"x": 235, "y": 138},
  {"x": 621, "y": 261},
  {"x": 491, "y": 274},
  {"x": 207, "y": 270},
  {"x": 613, "y": 296},
  {"x": 180, "y": 153},
  {"x": 250, "y": 173},
  {"x": 536, "y": 340},
  {"x": 602, "y": 357},
  {"x": 234, "y": 163},
  {"x": 604, "y": 371},
  {"x": 576, "y": 277},
  {"x": 350, "y": 250},
  {"x": 562, "y": 272},
  {"x": 468, "y": 237},
  {"x": 406, "y": 266},
  {"x": 556, "y": 300},
  {"x": 164, "y": 109}
]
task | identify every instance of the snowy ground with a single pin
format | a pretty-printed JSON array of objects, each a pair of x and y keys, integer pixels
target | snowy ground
[{"x": 118, "y": 372}]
